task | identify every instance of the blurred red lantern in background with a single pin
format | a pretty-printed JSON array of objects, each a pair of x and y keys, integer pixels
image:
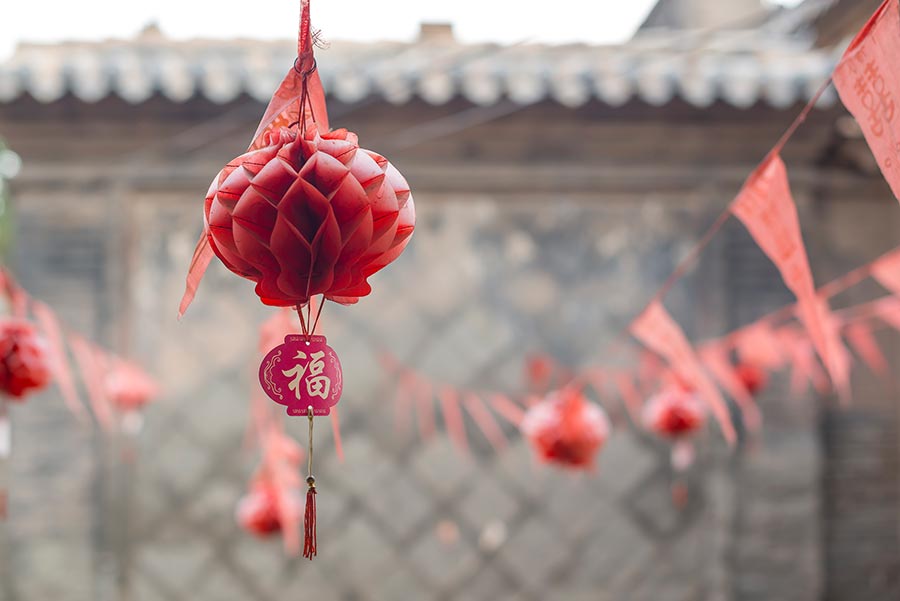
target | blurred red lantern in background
[
  {"x": 129, "y": 388},
  {"x": 257, "y": 511},
  {"x": 675, "y": 413},
  {"x": 566, "y": 429},
  {"x": 307, "y": 214},
  {"x": 752, "y": 376},
  {"x": 25, "y": 365}
]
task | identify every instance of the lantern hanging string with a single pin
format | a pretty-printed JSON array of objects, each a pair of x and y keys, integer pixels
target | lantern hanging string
[
  {"x": 308, "y": 324},
  {"x": 305, "y": 65}
]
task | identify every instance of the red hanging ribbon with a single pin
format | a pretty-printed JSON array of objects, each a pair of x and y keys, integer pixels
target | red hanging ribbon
[
  {"x": 64, "y": 379},
  {"x": 301, "y": 90}
]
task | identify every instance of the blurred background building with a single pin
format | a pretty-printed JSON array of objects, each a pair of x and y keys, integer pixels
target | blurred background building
[{"x": 556, "y": 188}]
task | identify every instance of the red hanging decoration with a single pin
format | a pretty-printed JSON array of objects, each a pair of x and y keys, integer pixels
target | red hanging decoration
[
  {"x": 257, "y": 511},
  {"x": 674, "y": 414},
  {"x": 129, "y": 388},
  {"x": 566, "y": 429},
  {"x": 25, "y": 365},
  {"x": 304, "y": 212},
  {"x": 753, "y": 377}
]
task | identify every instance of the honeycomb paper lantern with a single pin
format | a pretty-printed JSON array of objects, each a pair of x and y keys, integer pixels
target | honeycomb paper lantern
[
  {"x": 24, "y": 359},
  {"x": 309, "y": 214},
  {"x": 566, "y": 429},
  {"x": 674, "y": 414}
]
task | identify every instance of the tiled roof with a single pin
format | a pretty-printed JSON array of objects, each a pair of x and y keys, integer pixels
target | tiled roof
[{"x": 741, "y": 69}]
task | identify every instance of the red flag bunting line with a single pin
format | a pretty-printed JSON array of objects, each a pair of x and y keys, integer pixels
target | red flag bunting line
[
  {"x": 95, "y": 364},
  {"x": 868, "y": 82}
]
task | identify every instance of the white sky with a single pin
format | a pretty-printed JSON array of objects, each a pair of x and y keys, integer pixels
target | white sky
[{"x": 474, "y": 20}]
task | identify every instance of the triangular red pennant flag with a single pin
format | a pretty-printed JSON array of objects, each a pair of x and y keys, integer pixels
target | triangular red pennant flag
[
  {"x": 868, "y": 81},
  {"x": 64, "y": 378},
  {"x": 805, "y": 367},
  {"x": 424, "y": 393},
  {"x": 860, "y": 337},
  {"x": 715, "y": 358},
  {"x": 766, "y": 208},
  {"x": 758, "y": 345},
  {"x": 453, "y": 418},
  {"x": 887, "y": 271},
  {"x": 656, "y": 330},
  {"x": 485, "y": 421},
  {"x": 336, "y": 434},
  {"x": 200, "y": 261},
  {"x": 507, "y": 409},
  {"x": 91, "y": 363},
  {"x": 888, "y": 310}
]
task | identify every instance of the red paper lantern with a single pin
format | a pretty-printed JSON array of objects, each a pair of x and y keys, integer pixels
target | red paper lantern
[
  {"x": 307, "y": 214},
  {"x": 24, "y": 359},
  {"x": 257, "y": 512},
  {"x": 566, "y": 429},
  {"x": 129, "y": 388},
  {"x": 752, "y": 376},
  {"x": 675, "y": 414}
]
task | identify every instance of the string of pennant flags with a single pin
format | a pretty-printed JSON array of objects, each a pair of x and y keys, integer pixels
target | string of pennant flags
[
  {"x": 35, "y": 350},
  {"x": 114, "y": 385},
  {"x": 807, "y": 335}
]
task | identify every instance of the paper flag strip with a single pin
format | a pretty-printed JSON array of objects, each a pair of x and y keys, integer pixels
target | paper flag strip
[
  {"x": 887, "y": 271},
  {"x": 766, "y": 208},
  {"x": 758, "y": 345},
  {"x": 656, "y": 329},
  {"x": 861, "y": 338},
  {"x": 868, "y": 81},
  {"x": 716, "y": 361}
]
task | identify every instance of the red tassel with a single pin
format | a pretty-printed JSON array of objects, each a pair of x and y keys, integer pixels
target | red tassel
[{"x": 309, "y": 521}]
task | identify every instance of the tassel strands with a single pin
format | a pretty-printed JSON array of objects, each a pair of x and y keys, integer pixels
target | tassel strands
[{"x": 310, "y": 543}]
